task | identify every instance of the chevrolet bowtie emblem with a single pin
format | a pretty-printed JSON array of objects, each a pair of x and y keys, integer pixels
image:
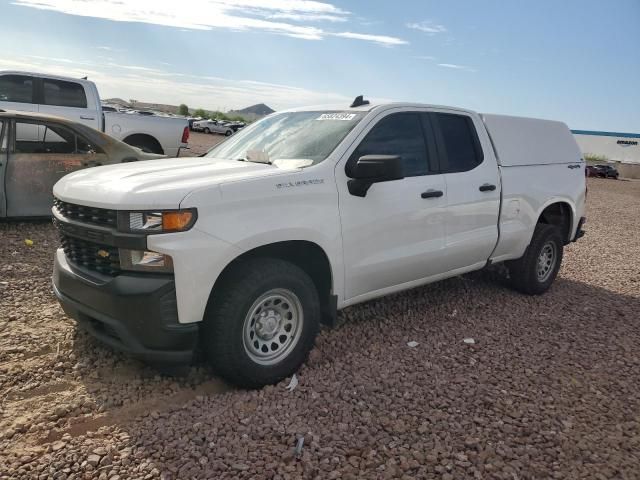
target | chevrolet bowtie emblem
[{"x": 103, "y": 253}]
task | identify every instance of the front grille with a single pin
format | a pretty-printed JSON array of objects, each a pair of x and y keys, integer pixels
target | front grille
[
  {"x": 100, "y": 258},
  {"x": 103, "y": 217}
]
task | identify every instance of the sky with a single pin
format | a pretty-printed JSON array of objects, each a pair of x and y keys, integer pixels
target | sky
[{"x": 577, "y": 61}]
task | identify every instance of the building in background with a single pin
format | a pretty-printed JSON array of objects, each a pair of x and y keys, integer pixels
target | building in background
[{"x": 623, "y": 149}]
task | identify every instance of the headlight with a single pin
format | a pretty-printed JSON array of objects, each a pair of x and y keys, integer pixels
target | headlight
[
  {"x": 145, "y": 261},
  {"x": 162, "y": 221}
]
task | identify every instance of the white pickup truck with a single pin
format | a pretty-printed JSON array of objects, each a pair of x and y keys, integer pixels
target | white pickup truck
[
  {"x": 244, "y": 252},
  {"x": 78, "y": 100}
]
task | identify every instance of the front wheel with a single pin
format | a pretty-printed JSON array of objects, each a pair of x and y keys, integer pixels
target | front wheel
[
  {"x": 228, "y": 133},
  {"x": 534, "y": 273},
  {"x": 261, "y": 323}
]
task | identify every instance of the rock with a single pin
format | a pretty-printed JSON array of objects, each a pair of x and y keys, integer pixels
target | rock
[{"x": 57, "y": 446}]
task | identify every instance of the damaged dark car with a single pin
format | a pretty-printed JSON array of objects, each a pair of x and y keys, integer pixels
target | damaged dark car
[{"x": 38, "y": 150}]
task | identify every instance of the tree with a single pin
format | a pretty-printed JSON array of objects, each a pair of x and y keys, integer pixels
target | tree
[
  {"x": 183, "y": 109},
  {"x": 200, "y": 113}
]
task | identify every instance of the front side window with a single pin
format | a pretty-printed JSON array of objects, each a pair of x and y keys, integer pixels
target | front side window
[
  {"x": 396, "y": 134},
  {"x": 64, "y": 94},
  {"x": 16, "y": 88},
  {"x": 54, "y": 139},
  {"x": 458, "y": 142},
  {"x": 306, "y": 136}
]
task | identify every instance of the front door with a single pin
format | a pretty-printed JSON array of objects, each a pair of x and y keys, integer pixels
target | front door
[
  {"x": 473, "y": 188},
  {"x": 34, "y": 166},
  {"x": 395, "y": 234},
  {"x": 17, "y": 92}
]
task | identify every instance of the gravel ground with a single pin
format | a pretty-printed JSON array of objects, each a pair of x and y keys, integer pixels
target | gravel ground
[
  {"x": 549, "y": 389},
  {"x": 200, "y": 143}
]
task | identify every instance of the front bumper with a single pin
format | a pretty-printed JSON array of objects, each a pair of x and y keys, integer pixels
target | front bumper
[{"x": 134, "y": 313}]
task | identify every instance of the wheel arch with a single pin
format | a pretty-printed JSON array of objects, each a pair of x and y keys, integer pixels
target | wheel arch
[
  {"x": 136, "y": 139},
  {"x": 307, "y": 255},
  {"x": 559, "y": 212}
]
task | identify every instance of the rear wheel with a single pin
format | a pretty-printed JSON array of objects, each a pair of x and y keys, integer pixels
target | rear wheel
[
  {"x": 206, "y": 130},
  {"x": 144, "y": 143},
  {"x": 534, "y": 273},
  {"x": 262, "y": 323}
]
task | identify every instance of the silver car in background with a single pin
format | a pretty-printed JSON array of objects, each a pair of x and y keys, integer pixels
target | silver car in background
[{"x": 213, "y": 126}]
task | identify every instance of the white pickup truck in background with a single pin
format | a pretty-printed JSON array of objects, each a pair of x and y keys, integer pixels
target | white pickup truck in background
[
  {"x": 78, "y": 100},
  {"x": 245, "y": 251}
]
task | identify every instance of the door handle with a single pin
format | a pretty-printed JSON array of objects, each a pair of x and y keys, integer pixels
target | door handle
[
  {"x": 487, "y": 187},
  {"x": 87, "y": 118},
  {"x": 431, "y": 194}
]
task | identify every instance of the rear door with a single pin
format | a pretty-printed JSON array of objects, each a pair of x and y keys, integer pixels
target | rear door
[
  {"x": 68, "y": 100},
  {"x": 34, "y": 166},
  {"x": 473, "y": 188}
]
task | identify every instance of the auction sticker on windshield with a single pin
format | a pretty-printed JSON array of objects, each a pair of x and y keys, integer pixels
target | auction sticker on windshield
[{"x": 336, "y": 116}]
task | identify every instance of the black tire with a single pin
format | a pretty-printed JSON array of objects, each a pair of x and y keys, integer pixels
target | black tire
[
  {"x": 228, "y": 133},
  {"x": 223, "y": 333},
  {"x": 206, "y": 130},
  {"x": 524, "y": 273},
  {"x": 146, "y": 146}
]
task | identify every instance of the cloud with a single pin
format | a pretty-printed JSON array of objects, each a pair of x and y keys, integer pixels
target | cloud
[
  {"x": 428, "y": 27},
  {"x": 456, "y": 67},
  {"x": 380, "y": 39},
  {"x": 424, "y": 57},
  {"x": 308, "y": 17},
  {"x": 148, "y": 84},
  {"x": 283, "y": 17}
]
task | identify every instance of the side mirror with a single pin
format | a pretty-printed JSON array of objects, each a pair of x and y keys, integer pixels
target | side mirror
[{"x": 370, "y": 169}]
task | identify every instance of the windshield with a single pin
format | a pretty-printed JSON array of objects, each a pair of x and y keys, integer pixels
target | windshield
[{"x": 309, "y": 136}]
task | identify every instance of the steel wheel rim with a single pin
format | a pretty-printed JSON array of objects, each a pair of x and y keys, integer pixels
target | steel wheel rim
[
  {"x": 546, "y": 261},
  {"x": 273, "y": 326}
]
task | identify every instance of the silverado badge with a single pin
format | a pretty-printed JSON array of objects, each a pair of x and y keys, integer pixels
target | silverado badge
[{"x": 103, "y": 253}]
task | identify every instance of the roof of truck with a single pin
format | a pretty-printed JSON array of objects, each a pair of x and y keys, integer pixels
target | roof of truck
[
  {"x": 344, "y": 107},
  {"x": 44, "y": 75}
]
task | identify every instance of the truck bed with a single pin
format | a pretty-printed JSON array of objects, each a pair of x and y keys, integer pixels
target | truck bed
[{"x": 519, "y": 141}]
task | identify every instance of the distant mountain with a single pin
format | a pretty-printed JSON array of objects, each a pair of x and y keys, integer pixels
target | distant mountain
[{"x": 259, "y": 109}]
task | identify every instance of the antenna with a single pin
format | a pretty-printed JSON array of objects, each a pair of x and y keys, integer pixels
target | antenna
[{"x": 359, "y": 101}]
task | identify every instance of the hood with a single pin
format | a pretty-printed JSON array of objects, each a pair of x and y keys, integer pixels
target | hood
[{"x": 153, "y": 184}]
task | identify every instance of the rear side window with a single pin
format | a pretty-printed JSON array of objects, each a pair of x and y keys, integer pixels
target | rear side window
[
  {"x": 16, "y": 88},
  {"x": 458, "y": 143},
  {"x": 64, "y": 94},
  {"x": 396, "y": 134}
]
